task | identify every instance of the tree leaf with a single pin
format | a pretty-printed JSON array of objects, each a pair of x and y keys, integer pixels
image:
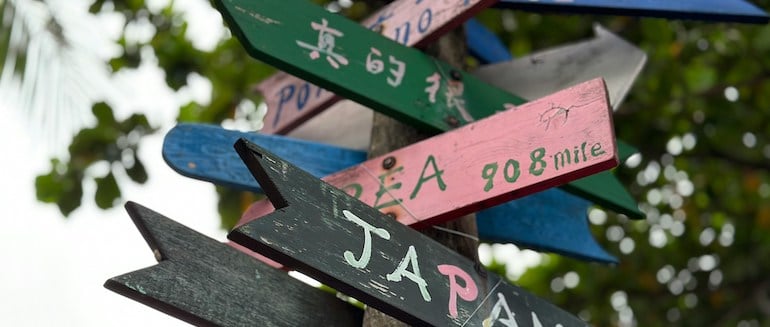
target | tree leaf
[{"x": 107, "y": 191}]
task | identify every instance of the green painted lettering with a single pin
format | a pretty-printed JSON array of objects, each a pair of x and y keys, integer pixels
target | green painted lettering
[
  {"x": 577, "y": 155},
  {"x": 561, "y": 155},
  {"x": 537, "y": 158},
  {"x": 385, "y": 190},
  {"x": 436, "y": 173},
  {"x": 596, "y": 150},
  {"x": 510, "y": 178},
  {"x": 583, "y": 149},
  {"x": 488, "y": 173},
  {"x": 356, "y": 189}
]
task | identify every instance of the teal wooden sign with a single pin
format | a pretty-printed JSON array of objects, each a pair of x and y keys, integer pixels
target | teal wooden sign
[{"x": 354, "y": 62}]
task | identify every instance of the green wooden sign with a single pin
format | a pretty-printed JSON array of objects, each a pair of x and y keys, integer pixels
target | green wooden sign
[{"x": 352, "y": 61}]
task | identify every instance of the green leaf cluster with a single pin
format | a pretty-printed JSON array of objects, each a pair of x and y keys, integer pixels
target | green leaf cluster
[{"x": 111, "y": 141}]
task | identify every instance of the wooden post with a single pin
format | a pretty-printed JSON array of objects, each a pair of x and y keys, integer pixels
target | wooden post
[{"x": 389, "y": 134}]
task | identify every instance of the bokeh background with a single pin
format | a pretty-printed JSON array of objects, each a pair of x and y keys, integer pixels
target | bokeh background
[{"x": 88, "y": 89}]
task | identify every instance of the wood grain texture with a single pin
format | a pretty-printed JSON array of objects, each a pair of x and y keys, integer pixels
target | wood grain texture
[
  {"x": 739, "y": 11},
  {"x": 361, "y": 65},
  {"x": 205, "y": 152},
  {"x": 484, "y": 164},
  {"x": 536, "y": 75},
  {"x": 329, "y": 223},
  {"x": 553, "y": 211},
  {"x": 207, "y": 283},
  {"x": 458, "y": 235},
  {"x": 291, "y": 100}
]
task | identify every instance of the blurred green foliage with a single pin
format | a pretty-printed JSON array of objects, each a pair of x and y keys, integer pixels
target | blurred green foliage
[{"x": 699, "y": 115}]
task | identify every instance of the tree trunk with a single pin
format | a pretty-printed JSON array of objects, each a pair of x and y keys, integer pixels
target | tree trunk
[{"x": 389, "y": 134}]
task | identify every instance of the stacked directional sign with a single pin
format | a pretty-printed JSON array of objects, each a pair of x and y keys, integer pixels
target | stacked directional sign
[
  {"x": 354, "y": 238},
  {"x": 358, "y": 250},
  {"x": 200, "y": 151}
]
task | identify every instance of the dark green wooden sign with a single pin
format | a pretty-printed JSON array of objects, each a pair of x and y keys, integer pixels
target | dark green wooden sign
[
  {"x": 343, "y": 57},
  {"x": 207, "y": 283},
  {"x": 342, "y": 242}
]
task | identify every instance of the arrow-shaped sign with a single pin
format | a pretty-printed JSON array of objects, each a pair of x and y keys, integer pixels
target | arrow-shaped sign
[
  {"x": 357, "y": 250},
  {"x": 537, "y": 75},
  {"x": 624, "y": 61},
  {"x": 608, "y": 56},
  {"x": 412, "y": 23},
  {"x": 207, "y": 283},
  {"x": 485, "y": 46},
  {"x": 565, "y": 136},
  {"x": 551, "y": 220},
  {"x": 738, "y": 11}
]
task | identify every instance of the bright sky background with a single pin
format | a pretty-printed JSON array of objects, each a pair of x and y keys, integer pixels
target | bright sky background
[{"x": 54, "y": 268}]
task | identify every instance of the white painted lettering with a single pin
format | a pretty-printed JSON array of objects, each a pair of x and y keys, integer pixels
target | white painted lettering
[
  {"x": 414, "y": 275},
  {"x": 367, "y": 251},
  {"x": 501, "y": 306}
]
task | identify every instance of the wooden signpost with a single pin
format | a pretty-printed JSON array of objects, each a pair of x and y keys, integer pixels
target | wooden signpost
[
  {"x": 412, "y": 23},
  {"x": 551, "y": 220},
  {"x": 558, "y": 138},
  {"x": 739, "y": 11},
  {"x": 207, "y": 283},
  {"x": 361, "y": 252}
]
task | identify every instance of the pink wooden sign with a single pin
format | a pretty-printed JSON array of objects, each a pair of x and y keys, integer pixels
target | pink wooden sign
[
  {"x": 538, "y": 145},
  {"x": 291, "y": 101}
]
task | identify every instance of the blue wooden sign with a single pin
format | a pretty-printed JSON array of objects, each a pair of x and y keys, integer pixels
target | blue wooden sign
[
  {"x": 484, "y": 45},
  {"x": 553, "y": 220},
  {"x": 739, "y": 11}
]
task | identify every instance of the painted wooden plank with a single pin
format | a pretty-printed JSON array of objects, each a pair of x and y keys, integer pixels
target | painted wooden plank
[
  {"x": 565, "y": 136},
  {"x": 738, "y": 11},
  {"x": 553, "y": 221},
  {"x": 291, "y": 100},
  {"x": 206, "y": 283},
  {"x": 606, "y": 55},
  {"x": 361, "y": 252},
  {"x": 484, "y": 45},
  {"x": 560, "y": 218},
  {"x": 206, "y": 158}
]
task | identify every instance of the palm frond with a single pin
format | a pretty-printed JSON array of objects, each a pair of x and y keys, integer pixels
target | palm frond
[{"x": 50, "y": 67}]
